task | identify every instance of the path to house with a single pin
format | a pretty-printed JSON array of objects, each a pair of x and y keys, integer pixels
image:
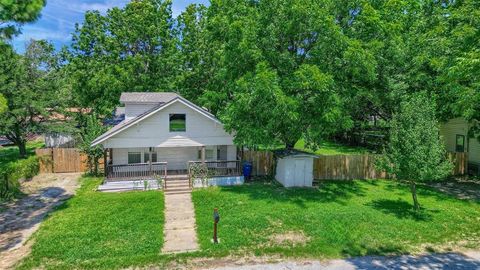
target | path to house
[
  {"x": 458, "y": 261},
  {"x": 461, "y": 188},
  {"x": 180, "y": 235},
  {"x": 21, "y": 218}
]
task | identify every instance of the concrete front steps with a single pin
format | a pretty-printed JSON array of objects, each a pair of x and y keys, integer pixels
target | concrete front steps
[{"x": 177, "y": 184}]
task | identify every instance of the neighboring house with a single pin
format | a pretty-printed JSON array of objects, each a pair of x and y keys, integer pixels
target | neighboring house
[
  {"x": 455, "y": 136},
  {"x": 163, "y": 133}
]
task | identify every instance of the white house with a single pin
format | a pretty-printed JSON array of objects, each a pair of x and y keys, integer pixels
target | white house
[
  {"x": 455, "y": 135},
  {"x": 164, "y": 134}
]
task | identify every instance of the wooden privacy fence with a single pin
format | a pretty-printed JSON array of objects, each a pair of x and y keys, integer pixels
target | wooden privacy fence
[
  {"x": 460, "y": 162},
  {"x": 62, "y": 160},
  {"x": 340, "y": 167},
  {"x": 346, "y": 167},
  {"x": 262, "y": 162}
]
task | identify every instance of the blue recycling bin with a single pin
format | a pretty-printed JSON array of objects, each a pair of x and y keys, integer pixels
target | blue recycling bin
[{"x": 247, "y": 170}]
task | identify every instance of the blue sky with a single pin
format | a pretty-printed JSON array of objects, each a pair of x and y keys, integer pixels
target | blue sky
[{"x": 59, "y": 17}]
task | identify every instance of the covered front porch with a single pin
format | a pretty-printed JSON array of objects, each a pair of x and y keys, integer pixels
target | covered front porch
[{"x": 150, "y": 163}]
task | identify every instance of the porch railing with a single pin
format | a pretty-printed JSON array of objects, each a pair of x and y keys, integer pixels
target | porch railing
[
  {"x": 217, "y": 168},
  {"x": 138, "y": 171}
]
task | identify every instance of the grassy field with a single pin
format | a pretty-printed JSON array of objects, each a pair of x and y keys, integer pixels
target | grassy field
[
  {"x": 331, "y": 148},
  {"x": 100, "y": 230},
  {"x": 10, "y": 153},
  {"x": 340, "y": 219}
]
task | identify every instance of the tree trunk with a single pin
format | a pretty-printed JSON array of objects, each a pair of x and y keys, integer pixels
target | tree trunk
[
  {"x": 413, "y": 188},
  {"x": 22, "y": 148},
  {"x": 290, "y": 145}
]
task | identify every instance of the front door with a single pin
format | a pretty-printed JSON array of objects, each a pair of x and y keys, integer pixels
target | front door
[{"x": 222, "y": 152}]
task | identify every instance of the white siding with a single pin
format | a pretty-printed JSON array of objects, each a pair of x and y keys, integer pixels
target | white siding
[
  {"x": 460, "y": 126},
  {"x": 154, "y": 131},
  {"x": 176, "y": 158},
  {"x": 474, "y": 151},
  {"x": 449, "y": 132},
  {"x": 135, "y": 109}
]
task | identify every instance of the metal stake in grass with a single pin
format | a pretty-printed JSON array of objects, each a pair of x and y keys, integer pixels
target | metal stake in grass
[{"x": 216, "y": 219}]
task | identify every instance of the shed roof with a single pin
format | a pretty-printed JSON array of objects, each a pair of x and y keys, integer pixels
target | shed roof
[
  {"x": 147, "y": 97},
  {"x": 281, "y": 153}
]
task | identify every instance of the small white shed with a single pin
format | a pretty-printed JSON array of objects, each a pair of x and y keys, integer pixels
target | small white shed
[{"x": 294, "y": 168}]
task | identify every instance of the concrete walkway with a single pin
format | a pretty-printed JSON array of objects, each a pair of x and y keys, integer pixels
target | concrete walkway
[{"x": 179, "y": 231}]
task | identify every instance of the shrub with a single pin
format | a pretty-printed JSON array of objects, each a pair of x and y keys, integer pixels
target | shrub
[{"x": 13, "y": 172}]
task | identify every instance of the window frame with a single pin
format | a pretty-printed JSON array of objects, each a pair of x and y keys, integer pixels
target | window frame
[
  {"x": 146, "y": 156},
  {"x": 170, "y": 122},
  {"x": 128, "y": 157},
  {"x": 206, "y": 155},
  {"x": 462, "y": 145}
]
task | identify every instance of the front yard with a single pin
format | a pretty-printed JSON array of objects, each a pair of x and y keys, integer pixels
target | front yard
[
  {"x": 340, "y": 219},
  {"x": 100, "y": 230}
]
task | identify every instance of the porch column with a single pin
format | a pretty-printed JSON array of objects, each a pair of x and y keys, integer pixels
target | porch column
[
  {"x": 105, "y": 164},
  {"x": 203, "y": 154},
  {"x": 150, "y": 159}
]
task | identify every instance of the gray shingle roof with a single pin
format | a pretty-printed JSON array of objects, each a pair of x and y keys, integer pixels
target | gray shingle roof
[{"x": 147, "y": 97}]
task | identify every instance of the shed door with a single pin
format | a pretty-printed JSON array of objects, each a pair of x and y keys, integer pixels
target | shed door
[{"x": 299, "y": 179}]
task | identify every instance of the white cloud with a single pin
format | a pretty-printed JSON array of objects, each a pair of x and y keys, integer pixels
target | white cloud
[{"x": 34, "y": 32}]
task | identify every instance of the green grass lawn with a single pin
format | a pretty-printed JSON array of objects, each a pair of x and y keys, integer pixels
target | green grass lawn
[
  {"x": 332, "y": 148},
  {"x": 340, "y": 219},
  {"x": 100, "y": 230},
  {"x": 10, "y": 153},
  {"x": 118, "y": 230}
]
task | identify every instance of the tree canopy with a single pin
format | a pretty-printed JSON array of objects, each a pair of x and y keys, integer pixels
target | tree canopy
[
  {"x": 33, "y": 88},
  {"x": 415, "y": 151},
  {"x": 13, "y": 13}
]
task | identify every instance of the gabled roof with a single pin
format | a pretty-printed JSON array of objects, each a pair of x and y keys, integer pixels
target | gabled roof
[
  {"x": 147, "y": 97},
  {"x": 128, "y": 123}
]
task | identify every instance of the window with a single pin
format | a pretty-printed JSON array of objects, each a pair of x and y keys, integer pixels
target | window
[
  {"x": 208, "y": 154},
  {"x": 177, "y": 122},
  {"x": 460, "y": 143},
  {"x": 146, "y": 157},
  {"x": 134, "y": 157}
]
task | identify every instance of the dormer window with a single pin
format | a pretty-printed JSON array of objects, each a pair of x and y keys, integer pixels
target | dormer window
[{"x": 177, "y": 122}]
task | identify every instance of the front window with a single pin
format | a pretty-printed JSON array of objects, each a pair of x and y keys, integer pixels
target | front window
[
  {"x": 177, "y": 122},
  {"x": 460, "y": 143},
  {"x": 146, "y": 157},
  {"x": 134, "y": 157},
  {"x": 208, "y": 154}
]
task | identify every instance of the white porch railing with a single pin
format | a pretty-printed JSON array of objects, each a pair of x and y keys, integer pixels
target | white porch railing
[
  {"x": 217, "y": 168},
  {"x": 140, "y": 171}
]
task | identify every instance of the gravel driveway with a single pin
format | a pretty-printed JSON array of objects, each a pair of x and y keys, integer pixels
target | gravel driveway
[{"x": 21, "y": 218}]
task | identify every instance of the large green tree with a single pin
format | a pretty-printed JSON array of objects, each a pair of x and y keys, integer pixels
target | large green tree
[
  {"x": 415, "y": 152},
  {"x": 33, "y": 88},
  {"x": 14, "y": 13},
  {"x": 129, "y": 49}
]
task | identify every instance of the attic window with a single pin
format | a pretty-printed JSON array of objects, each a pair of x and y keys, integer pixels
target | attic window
[{"x": 177, "y": 122}]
